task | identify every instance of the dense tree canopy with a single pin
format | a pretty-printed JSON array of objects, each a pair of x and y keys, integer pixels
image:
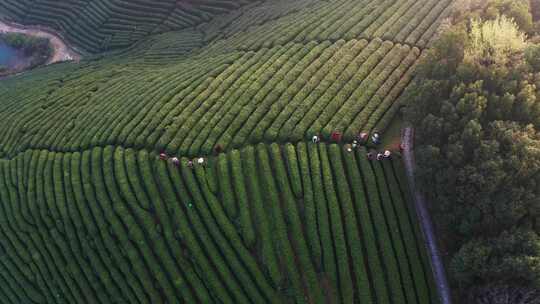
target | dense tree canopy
[
  {"x": 476, "y": 107},
  {"x": 518, "y": 10}
]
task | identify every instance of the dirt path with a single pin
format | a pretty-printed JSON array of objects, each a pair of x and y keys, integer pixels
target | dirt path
[
  {"x": 61, "y": 50},
  {"x": 424, "y": 218}
]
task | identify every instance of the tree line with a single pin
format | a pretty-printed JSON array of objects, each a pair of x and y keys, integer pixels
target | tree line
[{"x": 476, "y": 107}]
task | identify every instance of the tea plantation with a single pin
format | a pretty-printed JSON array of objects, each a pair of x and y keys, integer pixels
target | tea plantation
[
  {"x": 98, "y": 25},
  {"x": 89, "y": 213}
]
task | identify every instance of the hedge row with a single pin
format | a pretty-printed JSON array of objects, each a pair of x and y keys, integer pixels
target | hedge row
[
  {"x": 312, "y": 223},
  {"x": 286, "y": 93},
  {"x": 101, "y": 25},
  {"x": 398, "y": 21}
]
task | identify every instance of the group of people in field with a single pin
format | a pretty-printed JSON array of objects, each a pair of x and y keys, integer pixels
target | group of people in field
[
  {"x": 362, "y": 140},
  {"x": 176, "y": 161}
]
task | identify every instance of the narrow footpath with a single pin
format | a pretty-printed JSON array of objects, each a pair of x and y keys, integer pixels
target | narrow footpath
[
  {"x": 407, "y": 139},
  {"x": 61, "y": 50}
]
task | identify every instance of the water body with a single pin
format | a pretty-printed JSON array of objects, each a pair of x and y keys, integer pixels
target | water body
[{"x": 9, "y": 57}]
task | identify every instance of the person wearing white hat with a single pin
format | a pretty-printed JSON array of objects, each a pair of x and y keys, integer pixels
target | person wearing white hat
[
  {"x": 200, "y": 161},
  {"x": 315, "y": 139},
  {"x": 376, "y": 138},
  {"x": 175, "y": 161}
]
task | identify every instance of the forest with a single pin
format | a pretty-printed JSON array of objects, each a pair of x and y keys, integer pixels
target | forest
[{"x": 476, "y": 108}]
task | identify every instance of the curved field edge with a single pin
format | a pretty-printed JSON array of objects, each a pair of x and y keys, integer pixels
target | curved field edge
[
  {"x": 102, "y": 25},
  {"x": 298, "y": 83},
  {"x": 265, "y": 223},
  {"x": 284, "y": 94}
]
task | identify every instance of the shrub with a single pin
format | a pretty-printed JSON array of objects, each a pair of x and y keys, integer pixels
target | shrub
[{"x": 532, "y": 54}]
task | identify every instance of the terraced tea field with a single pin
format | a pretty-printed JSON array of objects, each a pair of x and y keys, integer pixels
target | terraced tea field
[
  {"x": 91, "y": 214},
  {"x": 101, "y": 25},
  {"x": 305, "y": 221}
]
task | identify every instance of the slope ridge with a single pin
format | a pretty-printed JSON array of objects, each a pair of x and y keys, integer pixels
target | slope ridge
[{"x": 285, "y": 93}]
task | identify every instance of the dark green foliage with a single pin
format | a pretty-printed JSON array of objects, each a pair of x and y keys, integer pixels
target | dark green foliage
[
  {"x": 510, "y": 258},
  {"x": 185, "y": 247},
  {"x": 532, "y": 54},
  {"x": 337, "y": 229},
  {"x": 241, "y": 88},
  {"x": 382, "y": 231},
  {"x": 407, "y": 229},
  {"x": 89, "y": 212},
  {"x": 97, "y": 26},
  {"x": 290, "y": 209},
  {"x": 477, "y": 122},
  {"x": 498, "y": 294},
  {"x": 351, "y": 225},
  {"x": 227, "y": 193},
  {"x": 245, "y": 208}
]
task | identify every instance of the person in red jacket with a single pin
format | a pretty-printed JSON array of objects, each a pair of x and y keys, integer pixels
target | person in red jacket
[{"x": 336, "y": 136}]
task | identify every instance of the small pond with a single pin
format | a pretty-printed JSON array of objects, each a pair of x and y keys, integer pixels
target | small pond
[{"x": 9, "y": 57}]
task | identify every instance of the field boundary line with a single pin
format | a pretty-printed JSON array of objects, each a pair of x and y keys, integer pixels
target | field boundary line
[{"x": 407, "y": 139}]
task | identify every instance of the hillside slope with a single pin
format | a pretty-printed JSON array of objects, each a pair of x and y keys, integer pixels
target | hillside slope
[
  {"x": 257, "y": 225},
  {"x": 229, "y": 92},
  {"x": 90, "y": 214},
  {"x": 99, "y": 25}
]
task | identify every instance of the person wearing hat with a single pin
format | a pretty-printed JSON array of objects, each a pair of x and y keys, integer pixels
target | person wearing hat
[
  {"x": 376, "y": 138},
  {"x": 363, "y": 137}
]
